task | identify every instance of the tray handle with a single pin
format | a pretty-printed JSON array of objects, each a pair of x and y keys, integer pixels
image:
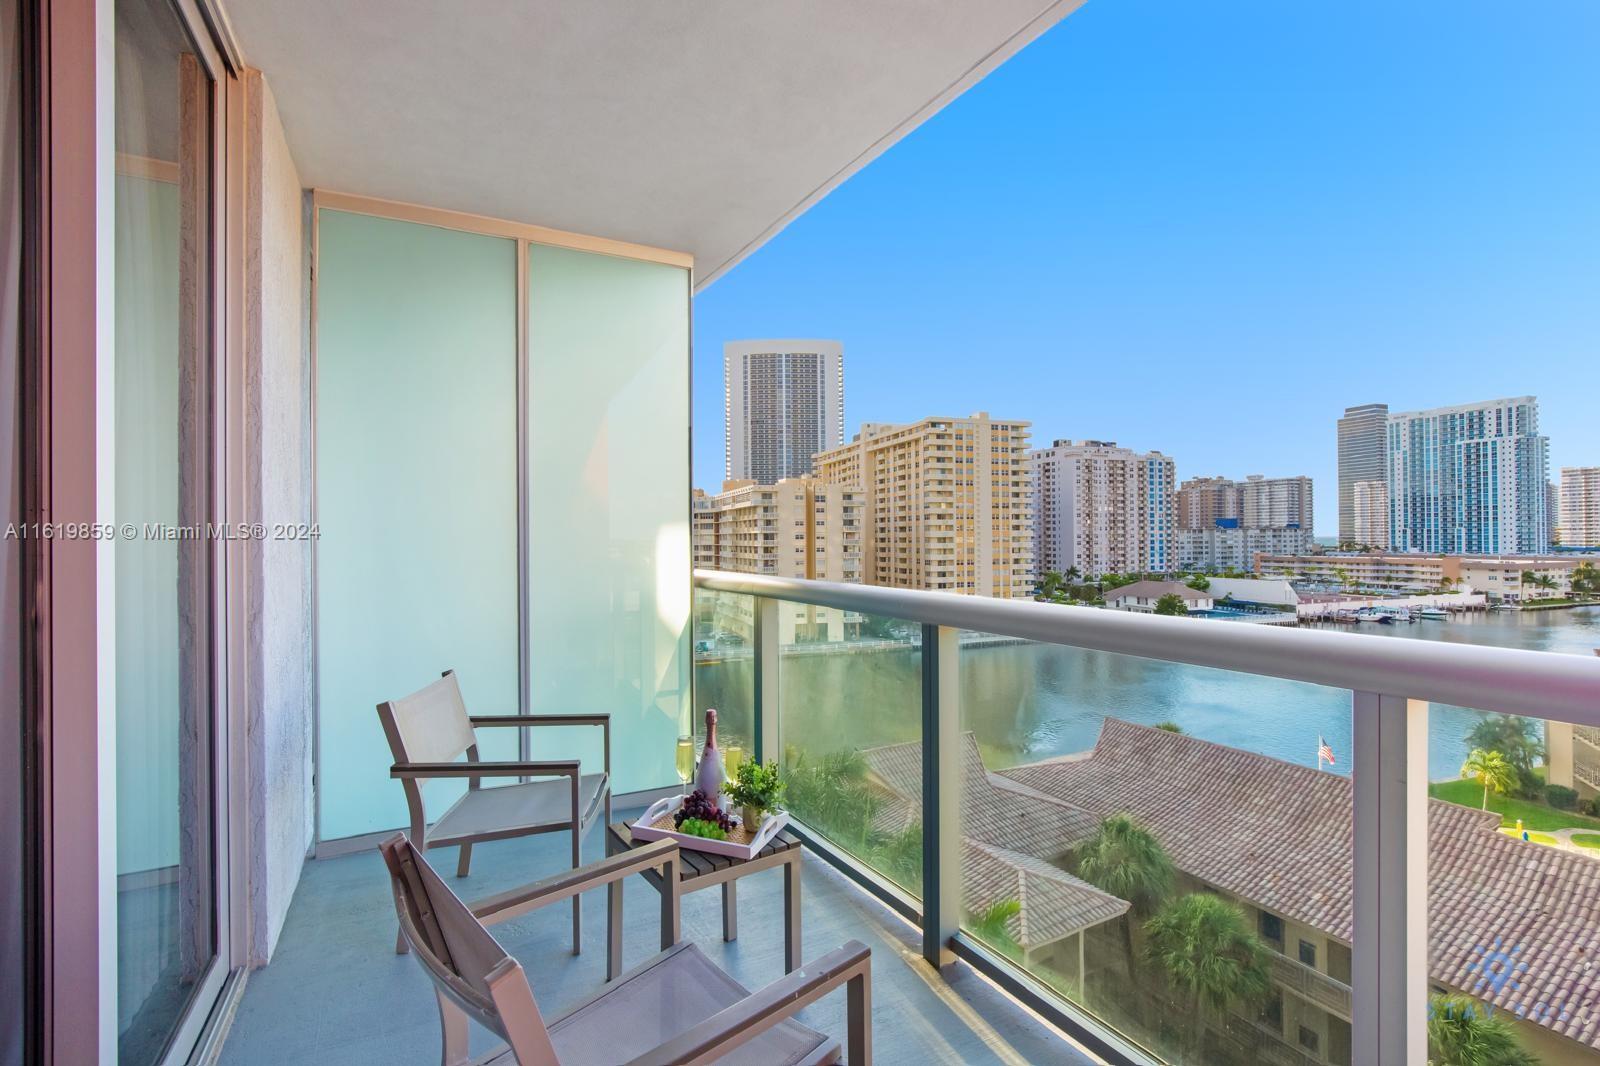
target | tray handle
[
  {"x": 769, "y": 829},
  {"x": 657, "y": 809}
]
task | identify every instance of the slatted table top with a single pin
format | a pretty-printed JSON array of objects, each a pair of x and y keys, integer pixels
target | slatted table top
[{"x": 696, "y": 864}]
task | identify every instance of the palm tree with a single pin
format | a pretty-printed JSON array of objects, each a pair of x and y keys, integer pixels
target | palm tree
[
  {"x": 1513, "y": 736},
  {"x": 1072, "y": 574},
  {"x": 1126, "y": 860},
  {"x": 1170, "y": 726},
  {"x": 1489, "y": 769},
  {"x": 899, "y": 855},
  {"x": 1209, "y": 954},
  {"x": 1050, "y": 585},
  {"x": 992, "y": 926},
  {"x": 1462, "y": 1032},
  {"x": 832, "y": 794}
]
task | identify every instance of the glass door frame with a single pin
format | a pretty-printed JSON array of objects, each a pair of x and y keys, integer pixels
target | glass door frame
[
  {"x": 228, "y": 460},
  {"x": 68, "y": 315}
]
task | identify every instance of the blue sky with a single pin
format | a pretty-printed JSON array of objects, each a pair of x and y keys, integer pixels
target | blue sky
[{"x": 1208, "y": 228}]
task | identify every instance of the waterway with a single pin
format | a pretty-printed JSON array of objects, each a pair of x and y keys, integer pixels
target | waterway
[{"x": 1026, "y": 702}]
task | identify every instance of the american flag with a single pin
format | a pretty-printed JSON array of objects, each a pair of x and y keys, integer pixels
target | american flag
[{"x": 1324, "y": 753}]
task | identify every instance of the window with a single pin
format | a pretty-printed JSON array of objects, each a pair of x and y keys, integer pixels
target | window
[
  {"x": 1271, "y": 928},
  {"x": 1272, "y": 1010},
  {"x": 1309, "y": 1039},
  {"x": 1308, "y": 953}
]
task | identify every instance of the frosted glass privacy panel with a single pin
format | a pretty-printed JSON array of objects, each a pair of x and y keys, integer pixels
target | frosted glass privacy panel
[
  {"x": 608, "y": 470},
  {"x": 416, "y": 493}
]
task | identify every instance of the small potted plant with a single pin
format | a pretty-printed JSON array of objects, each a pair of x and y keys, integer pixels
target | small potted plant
[{"x": 756, "y": 790}]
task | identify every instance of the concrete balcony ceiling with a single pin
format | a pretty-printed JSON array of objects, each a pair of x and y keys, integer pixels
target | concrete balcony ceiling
[{"x": 702, "y": 126}]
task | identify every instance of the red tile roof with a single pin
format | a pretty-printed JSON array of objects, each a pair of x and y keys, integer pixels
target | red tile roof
[
  {"x": 1279, "y": 835},
  {"x": 1008, "y": 833}
]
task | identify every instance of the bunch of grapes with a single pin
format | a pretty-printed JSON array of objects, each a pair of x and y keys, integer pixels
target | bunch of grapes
[{"x": 699, "y": 805}]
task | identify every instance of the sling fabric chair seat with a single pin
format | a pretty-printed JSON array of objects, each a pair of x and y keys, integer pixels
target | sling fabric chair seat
[
  {"x": 514, "y": 810},
  {"x": 652, "y": 1003}
]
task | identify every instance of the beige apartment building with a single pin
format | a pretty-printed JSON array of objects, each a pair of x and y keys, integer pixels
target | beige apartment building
[
  {"x": 945, "y": 503},
  {"x": 1275, "y": 502},
  {"x": 795, "y": 528},
  {"x": 1377, "y": 572},
  {"x": 1204, "y": 502},
  {"x": 1572, "y": 757},
  {"x": 1579, "y": 518},
  {"x": 1104, "y": 509},
  {"x": 1500, "y": 577},
  {"x": 1371, "y": 502}
]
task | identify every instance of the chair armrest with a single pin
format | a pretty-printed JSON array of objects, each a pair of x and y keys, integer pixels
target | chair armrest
[
  {"x": 518, "y": 901},
  {"x": 530, "y": 720},
  {"x": 566, "y": 768},
  {"x": 766, "y": 1007}
]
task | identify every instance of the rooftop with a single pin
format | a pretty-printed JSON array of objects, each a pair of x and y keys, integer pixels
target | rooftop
[
  {"x": 1008, "y": 833},
  {"x": 1279, "y": 835},
  {"x": 1152, "y": 590}
]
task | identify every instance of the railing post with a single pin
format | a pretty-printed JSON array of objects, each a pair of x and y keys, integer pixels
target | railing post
[
  {"x": 941, "y": 792},
  {"x": 765, "y": 695},
  {"x": 1389, "y": 979}
]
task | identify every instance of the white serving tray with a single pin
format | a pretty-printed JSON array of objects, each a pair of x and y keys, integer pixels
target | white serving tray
[{"x": 646, "y": 829}]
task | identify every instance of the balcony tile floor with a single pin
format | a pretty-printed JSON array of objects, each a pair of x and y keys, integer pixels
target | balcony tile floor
[{"x": 335, "y": 991}]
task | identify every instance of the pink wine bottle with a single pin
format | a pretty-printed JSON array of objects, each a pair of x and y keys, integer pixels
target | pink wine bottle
[{"x": 710, "y": 777}]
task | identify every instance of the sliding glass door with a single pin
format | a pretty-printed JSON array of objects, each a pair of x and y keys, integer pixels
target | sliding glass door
[{"x": 165, "y": 563}]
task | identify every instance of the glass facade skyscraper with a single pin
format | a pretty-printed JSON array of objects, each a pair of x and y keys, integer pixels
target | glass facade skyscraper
[{"x": 1470, "y": 479}]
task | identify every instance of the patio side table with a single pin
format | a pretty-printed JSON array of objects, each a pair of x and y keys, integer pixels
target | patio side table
[{"x": 700, "y": 869}]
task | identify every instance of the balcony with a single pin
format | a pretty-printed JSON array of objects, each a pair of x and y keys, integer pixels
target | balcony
[
  {"x": 337, "y": 993},
  {"x": 446, "y": 323}
]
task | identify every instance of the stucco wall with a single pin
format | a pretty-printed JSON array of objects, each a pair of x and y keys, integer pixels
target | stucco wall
[{"x": 277, "y": 383}]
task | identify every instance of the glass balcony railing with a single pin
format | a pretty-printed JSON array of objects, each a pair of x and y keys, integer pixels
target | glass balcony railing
[
  {"x": 850, "y": 729},
  {"x": 1130, "y": 821},
  {"x": 1196, "y": 842}
]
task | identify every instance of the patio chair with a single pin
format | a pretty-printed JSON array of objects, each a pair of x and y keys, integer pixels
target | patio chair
[
  {"x": 429, "y": 730},
  {"x": 678, "y": 1007}
]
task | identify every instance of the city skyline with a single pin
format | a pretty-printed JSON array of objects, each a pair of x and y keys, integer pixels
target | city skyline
[{"x": 1232, "y": 235}]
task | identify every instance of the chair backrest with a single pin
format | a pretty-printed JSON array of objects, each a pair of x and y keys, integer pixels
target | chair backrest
[
  {"x": 430, "y": 725},
  {"x": 467, "y": 965}
]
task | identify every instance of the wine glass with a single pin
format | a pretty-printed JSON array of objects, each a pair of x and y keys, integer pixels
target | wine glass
[
  {"x": 686, "y": 759},
  {"x": 733, "y": 758}
]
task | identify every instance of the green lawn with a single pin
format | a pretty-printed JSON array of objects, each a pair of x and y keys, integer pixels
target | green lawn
[
  {"x": 1534, "y": 815},
  {"x": 1586, "y": 840}
]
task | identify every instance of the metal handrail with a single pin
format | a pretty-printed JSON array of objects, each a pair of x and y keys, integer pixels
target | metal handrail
[{"x": 1508, "y": 680}]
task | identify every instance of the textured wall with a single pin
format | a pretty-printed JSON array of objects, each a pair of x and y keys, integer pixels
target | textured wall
[{"x": 277, "y": 384}]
